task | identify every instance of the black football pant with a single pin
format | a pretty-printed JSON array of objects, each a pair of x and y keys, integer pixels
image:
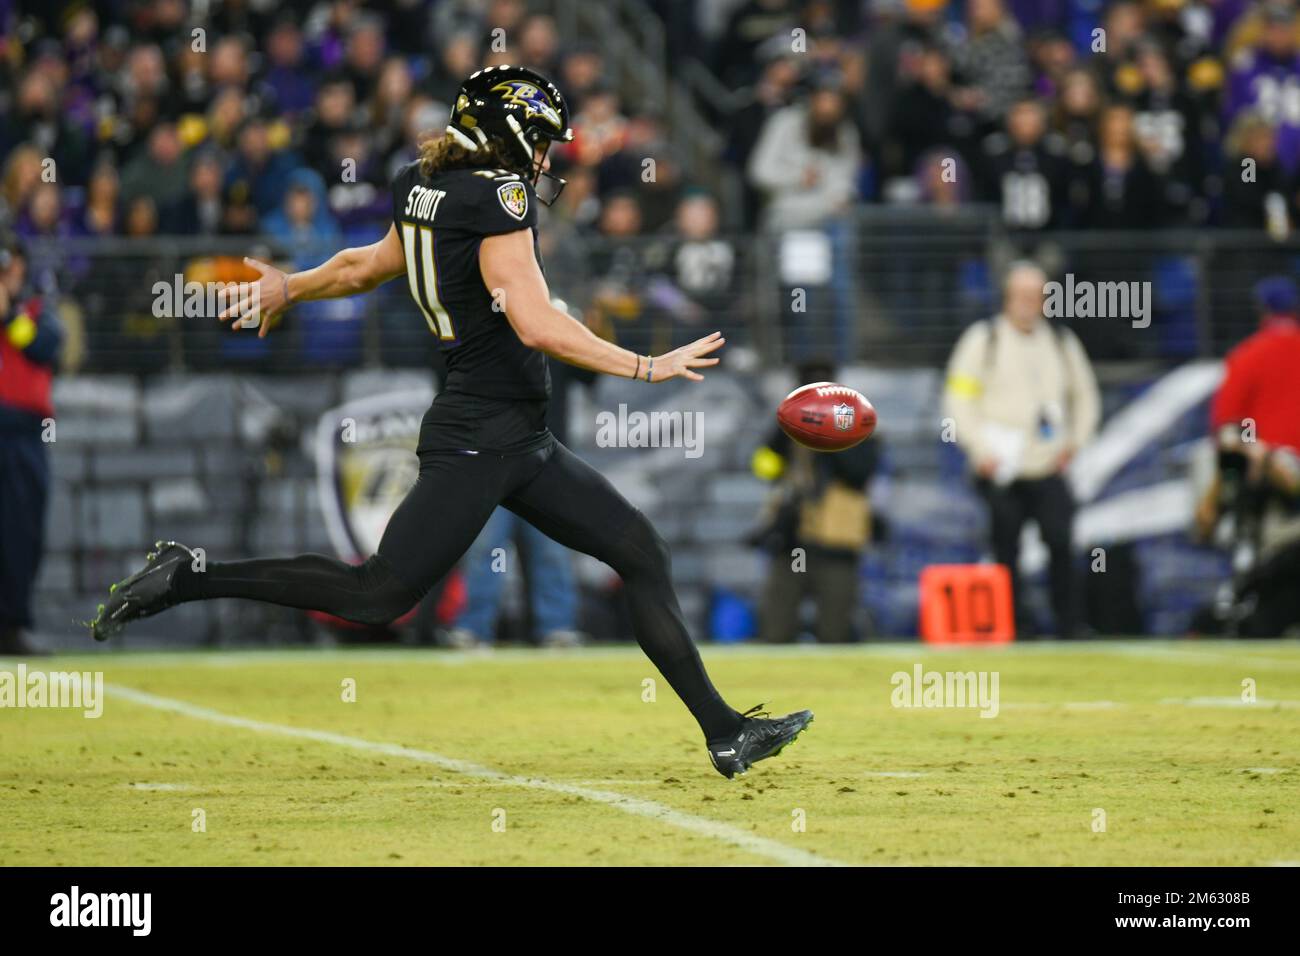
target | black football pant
[
  {"x": 551, "y": 488},
  {"x": 1050, "y": 503},
  {"x": 832, "y": 580}
]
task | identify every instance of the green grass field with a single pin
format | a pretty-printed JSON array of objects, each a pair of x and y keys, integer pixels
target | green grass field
[{"x": 555, "y": 758}]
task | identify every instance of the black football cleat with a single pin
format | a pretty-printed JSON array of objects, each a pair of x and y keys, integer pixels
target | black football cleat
[
  {"x": 144, "y": 593},
  {"x": 758, "y": 738}
]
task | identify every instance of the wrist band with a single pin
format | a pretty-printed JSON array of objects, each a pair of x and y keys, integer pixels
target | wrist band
[
  {"x": 637, "y": 373},
  {"x": 650, "y": 372},
  {"x": 287, "y": 300}
]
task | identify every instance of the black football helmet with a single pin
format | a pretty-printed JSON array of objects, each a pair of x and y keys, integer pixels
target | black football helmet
[{"x": 517, "y": 109}]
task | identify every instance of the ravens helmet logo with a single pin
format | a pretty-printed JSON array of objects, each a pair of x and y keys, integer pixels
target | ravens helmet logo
[{"x": 531, "y": 98}]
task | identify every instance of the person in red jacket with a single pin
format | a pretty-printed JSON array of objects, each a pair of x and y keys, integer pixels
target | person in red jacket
[
  {"x": 1260, "y": 384},
  {"x": 1255, "y": 420},
  {"x": 30, "y": 339}
]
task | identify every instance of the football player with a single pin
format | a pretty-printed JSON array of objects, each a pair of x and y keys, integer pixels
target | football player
[{"x": 464, "y": 235}]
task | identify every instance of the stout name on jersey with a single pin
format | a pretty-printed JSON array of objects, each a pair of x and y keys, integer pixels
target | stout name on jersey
[{"x": 422, "y": 202}]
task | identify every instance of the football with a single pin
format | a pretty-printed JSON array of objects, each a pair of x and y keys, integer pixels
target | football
[{"x": 826, "y": 416}]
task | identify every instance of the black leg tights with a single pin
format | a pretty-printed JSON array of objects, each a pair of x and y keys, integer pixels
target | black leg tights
[
  {"x": 368, "y": 593},
  {"x": 554, "y": 490}
]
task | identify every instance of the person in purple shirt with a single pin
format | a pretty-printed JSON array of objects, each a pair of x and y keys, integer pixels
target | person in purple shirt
[
  {"x": 289, "y": 81},
  {"x": 1266, "y": 79}
]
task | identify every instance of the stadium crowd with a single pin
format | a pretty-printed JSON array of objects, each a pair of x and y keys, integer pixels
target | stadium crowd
[{"x": 288, "y": 119}]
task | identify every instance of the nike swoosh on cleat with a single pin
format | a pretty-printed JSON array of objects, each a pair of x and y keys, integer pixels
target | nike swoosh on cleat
[{"x": 727, "y": 753}]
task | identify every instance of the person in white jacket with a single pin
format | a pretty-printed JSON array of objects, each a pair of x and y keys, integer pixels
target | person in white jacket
[
  {"x": 806, "y": 166},
  {"x": 806, "y": 162},
  {"x": 1021, "y": 399}
]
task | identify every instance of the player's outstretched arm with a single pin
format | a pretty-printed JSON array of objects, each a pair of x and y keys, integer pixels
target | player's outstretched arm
[
  {"x": 511, "y": 274},
  {"x": 349, "y": 272}
]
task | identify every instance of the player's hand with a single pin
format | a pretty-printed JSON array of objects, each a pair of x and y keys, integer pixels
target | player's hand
[
  {"x": 680, "y": 363},
  {"x": 262, "y": 301}
]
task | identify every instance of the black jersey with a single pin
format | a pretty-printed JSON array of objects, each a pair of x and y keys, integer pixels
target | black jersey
[{"x": 494, "y": 397}]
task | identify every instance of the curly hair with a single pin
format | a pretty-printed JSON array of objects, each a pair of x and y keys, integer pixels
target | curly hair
[{"x": 438, "y": 153}]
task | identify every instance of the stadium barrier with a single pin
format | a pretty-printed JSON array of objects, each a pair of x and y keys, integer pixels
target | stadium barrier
[{"x": 886, "y": 285}]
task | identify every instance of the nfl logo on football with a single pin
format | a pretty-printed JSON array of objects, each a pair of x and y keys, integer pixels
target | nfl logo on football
[{"x": 843, "y": 416}]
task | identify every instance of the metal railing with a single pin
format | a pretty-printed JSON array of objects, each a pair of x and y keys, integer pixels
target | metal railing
[{"x": 886, "y": 285}]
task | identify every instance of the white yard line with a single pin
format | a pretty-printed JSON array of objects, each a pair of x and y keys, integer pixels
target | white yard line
[
  {"x": 900, "y": 774},
  {"x": 722, "y": 832},
  {"x": 1231, "y": 702},
  {"x": 1064, "y": 705}
]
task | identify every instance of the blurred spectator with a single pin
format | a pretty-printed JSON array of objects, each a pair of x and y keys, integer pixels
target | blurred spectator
[
  {"x": 228, "y": 63},
  {"x": 141, "y": 217},
  {"x": 1260, "y": 384},
  {"x": 288, "y": 83},
  {"x": 927, "y": 112},
  {"x": 385, "y": 126},
  {"x": 334, "y": 115},
  {"x": 1053, "y": 57},
  {"x": 459, "y": 58},
  {"x": 538, "y": 45},
  {"x": 942, "y": 181},
  {"x": 102, "y": 213},
  {"x": 260, "y": 172},
  {"x": 1170, "y": 129},
  {"x": 22, "y": 171},
  {"x": 1023, "y": 400},
  {"x": 990, "y": 60},
  {"x": 30, "y": 339},
  {"x": 43, "y": 222},
  {"x": 1121, "y": 192},
  {"x": 772, "y": 91},
  {"x": 1124, "y": 24},
  {"x": 1257, "y": 431},
  {"x": 201, "y": 212},
  {"x": 364, "y": 58},
  {"x": 892, "y": 44},
  {"x": 816, "y": 529},
  {"x": 1076, "y": 114},
  {"x": 600, "y": 129},
  {"x": 751, "y": 25},
  {"x": 582, "y": 71},
  {"x": 700, "y": 267},
  {"x": 806, "y": 162},
  {"x": 142, "y": 90},
  {"x": 1265, "y": 79},
  {"x": 1025, "y": 171},
  {"x": 303, "y": 223},
  {"x": 160, "y": 172},
  {"x": 1257, "y": 192},
  {"x": 225, "y": 118},
  {"x": 645, "y": 163},
  {"x": 35, "y": 118}
]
